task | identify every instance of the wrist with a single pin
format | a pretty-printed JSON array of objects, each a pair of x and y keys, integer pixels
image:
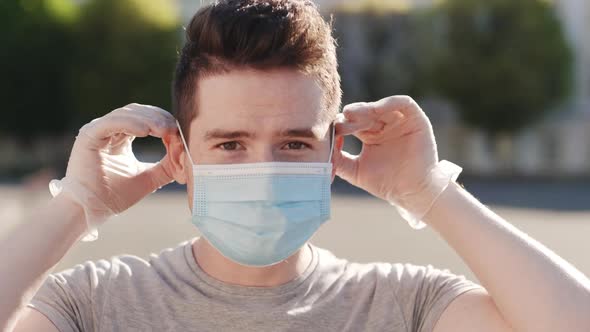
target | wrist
[
  {"x": 95, "y": 211},
  {"x": 453, "y": 201},
  {"x": 70, "y": 215},
  {"x": 414, "y": 206}
]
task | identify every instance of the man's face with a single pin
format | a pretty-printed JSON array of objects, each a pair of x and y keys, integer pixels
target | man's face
[{"x": 249, "y": 116}]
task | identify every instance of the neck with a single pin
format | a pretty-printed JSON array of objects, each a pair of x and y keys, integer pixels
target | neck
[{"x": 228, "y": 271}]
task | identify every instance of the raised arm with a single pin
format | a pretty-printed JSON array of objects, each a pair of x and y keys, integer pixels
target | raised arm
[
  {"x": 30, "y": 250},
  {"x": 533, "y": 288},
  {"x": 530, "y": 288},
  {"x": 103, "y": 178}
]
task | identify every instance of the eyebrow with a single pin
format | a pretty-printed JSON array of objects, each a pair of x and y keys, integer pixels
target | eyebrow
[
  {"x": 298, "y": 132},
  {"x": 227, "y": 134},
  {"x": 235, "y": 134}
]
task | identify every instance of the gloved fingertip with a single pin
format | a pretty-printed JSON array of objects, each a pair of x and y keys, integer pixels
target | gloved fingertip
[{"x": 55, "y": 187}]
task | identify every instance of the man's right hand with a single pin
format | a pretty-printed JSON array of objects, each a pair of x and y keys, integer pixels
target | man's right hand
[
  {"x": 103, "y": 177},
  {"x": 103, "y": 174}
]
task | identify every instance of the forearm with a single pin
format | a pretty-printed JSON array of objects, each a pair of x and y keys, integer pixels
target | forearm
[
  {"x": 534, "y": 289},
  {"x": 31, "y": 249}
]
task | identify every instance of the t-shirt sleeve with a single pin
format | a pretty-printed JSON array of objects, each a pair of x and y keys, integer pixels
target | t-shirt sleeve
[
  {"x": 424, "y": 292},
  {"x": 67, "y": 298}
]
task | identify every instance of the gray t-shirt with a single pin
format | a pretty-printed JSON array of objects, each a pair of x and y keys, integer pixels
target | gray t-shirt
[{"x": 170, "y": 292}]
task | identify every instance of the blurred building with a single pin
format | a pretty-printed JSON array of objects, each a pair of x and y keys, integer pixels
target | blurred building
[
  {"x": 575, "y": 16},
  {"x": 571, "y": 132}
]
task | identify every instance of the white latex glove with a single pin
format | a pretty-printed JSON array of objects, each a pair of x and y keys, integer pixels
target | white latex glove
[
  {"x": 399, "y": 161},
  {"x": 103, "y": 175}
]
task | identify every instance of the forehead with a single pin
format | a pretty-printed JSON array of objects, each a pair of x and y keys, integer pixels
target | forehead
[{"x": 261, "y": 101}]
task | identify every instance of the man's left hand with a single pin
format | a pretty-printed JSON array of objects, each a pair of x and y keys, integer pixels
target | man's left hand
[{"x": 398, "y": 150}]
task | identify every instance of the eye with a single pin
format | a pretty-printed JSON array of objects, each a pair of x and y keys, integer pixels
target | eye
[
  {"x": 230, "y": 146},
  {"x": 296, "y": 145}
]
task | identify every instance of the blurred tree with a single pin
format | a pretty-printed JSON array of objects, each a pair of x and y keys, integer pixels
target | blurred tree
[
  {"x": 384, "y": 50},
  {"x": 388, "y": 49},
  {"x": 35, "y": 52},
  {"x": 125, "y": 52},
  {"x": 403, "y": 47},
  {"x": 65, "y": 62},
  {"x": 504, "y": 63}
]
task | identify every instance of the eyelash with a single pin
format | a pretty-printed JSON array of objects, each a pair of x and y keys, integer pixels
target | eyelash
[
  {"x": 221, "y": 146},
  {"x": 303, "y": 144},
  {"x": 230, "y": 142}
]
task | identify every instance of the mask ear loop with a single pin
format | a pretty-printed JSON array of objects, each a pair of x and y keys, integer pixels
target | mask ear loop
[
  {"x": 333, "y": 140},
  {"x": 184, "y": 143}
]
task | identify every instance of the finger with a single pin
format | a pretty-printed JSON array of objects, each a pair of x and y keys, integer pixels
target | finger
[
  {"x": 366, "y": 116},
  {"x": 153, "y": 112},
  {"x": 383, "y": 107},
  {"x": 402, "y": 104},
  {"x": 345, "y": 128},
  {"x": 356, "y": 105},
  {"x": 346, "y": 166},
  {"x": 102, "y": 129},
  {"x": 349, "y": 126},
  {"x": 157, "y": 175},
  {"x": 118, "y": 143},
  {"x": 358, "y": 111},
  {"x": 124, "y": 122}
]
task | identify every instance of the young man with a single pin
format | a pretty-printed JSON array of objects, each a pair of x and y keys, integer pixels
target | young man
[{"x": 257, "y": 97}]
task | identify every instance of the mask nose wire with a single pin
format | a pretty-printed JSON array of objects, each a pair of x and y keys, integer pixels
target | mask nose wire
[
  {"x": 184, "y": 143},
  {"x": 332, "y": 139}
]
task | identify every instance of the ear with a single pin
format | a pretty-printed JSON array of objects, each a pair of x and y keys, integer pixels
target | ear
[
  {"x": 337, "y": 150},
  {"x": 177, "y": 154}
]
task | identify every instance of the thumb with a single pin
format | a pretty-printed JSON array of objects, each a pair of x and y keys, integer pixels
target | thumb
[
  {"x": 346, "y": 166},
  {"x": 158, "y": 174}
]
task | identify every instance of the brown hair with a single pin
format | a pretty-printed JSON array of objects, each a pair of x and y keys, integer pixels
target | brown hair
[{"x": 255, "y": 34}]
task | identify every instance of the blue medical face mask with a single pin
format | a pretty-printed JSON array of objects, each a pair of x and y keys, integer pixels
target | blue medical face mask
[{"x": 259, "y": 214}]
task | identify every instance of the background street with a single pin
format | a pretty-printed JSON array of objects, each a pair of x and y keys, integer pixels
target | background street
[{"x": 362, "y": 229}]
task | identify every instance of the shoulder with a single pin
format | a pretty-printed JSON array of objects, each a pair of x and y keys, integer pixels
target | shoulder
[
  {"x": 399, "y": 274},
  {"x": 124, "y": 267},
  {"x": 78, "y": 296},
  {"x": 403, "y": 275},
  {"x": 419, "y": 293},
  {"x": 406, "y": 280}
]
